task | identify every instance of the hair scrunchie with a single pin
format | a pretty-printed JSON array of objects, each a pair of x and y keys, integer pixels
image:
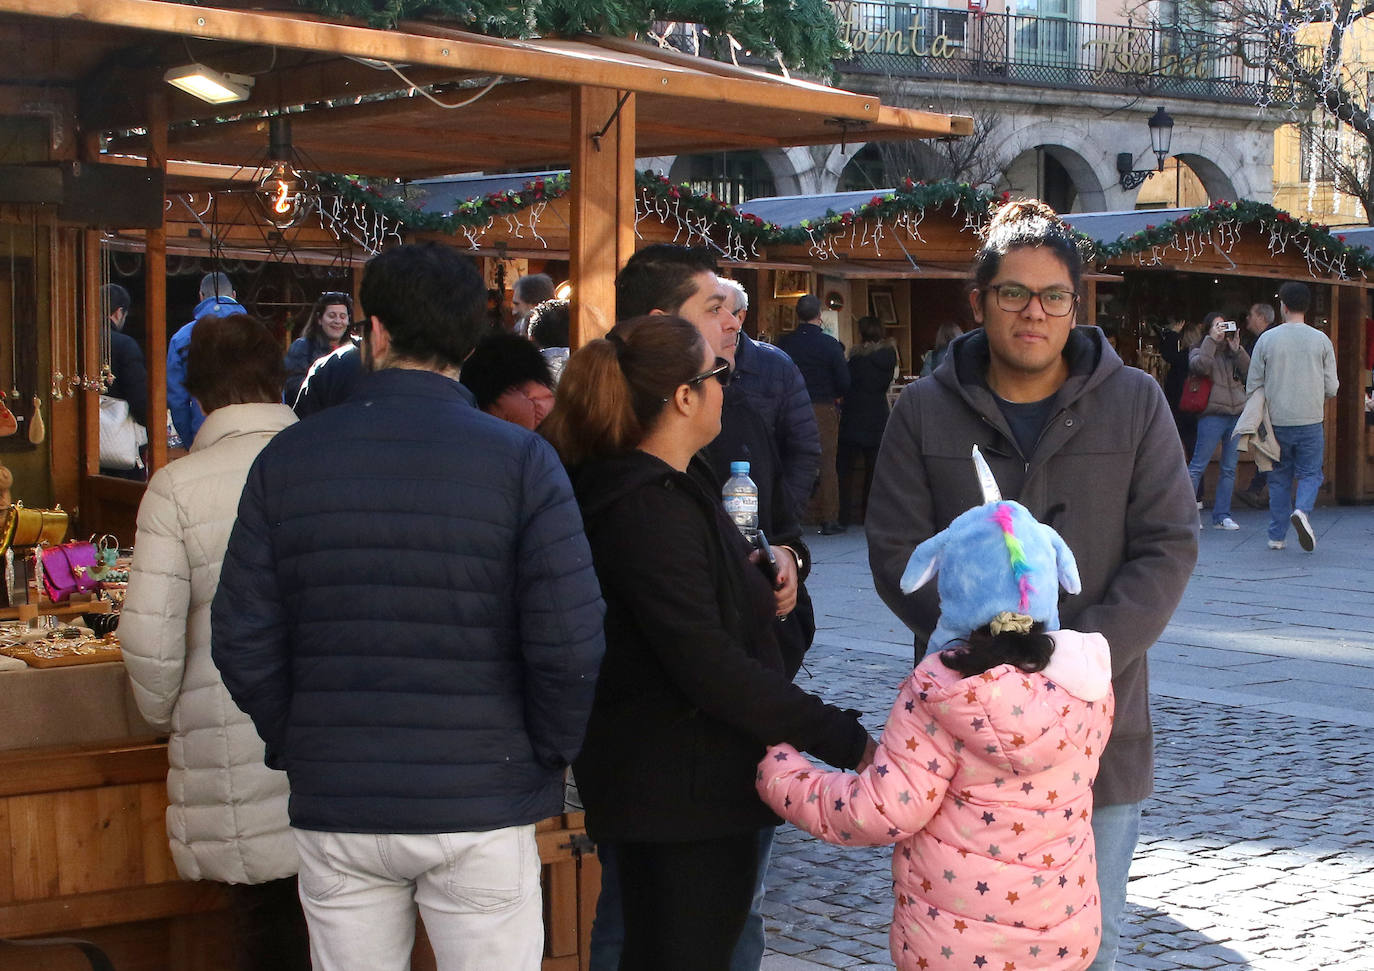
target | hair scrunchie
[
  {"x": 616, "y": 342},
  {"x": 1007, "y": 621}
]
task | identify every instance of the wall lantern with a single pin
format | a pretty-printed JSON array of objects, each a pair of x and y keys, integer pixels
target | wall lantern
[{"x": 1161, "y": 135}]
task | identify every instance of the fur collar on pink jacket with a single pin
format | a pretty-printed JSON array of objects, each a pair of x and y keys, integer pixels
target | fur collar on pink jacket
[{"x": 984, "y": 785}]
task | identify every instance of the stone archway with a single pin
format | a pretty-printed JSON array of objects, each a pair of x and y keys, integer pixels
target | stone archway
[
  {"x": 1073, "y": 146},
  {"x": 1214, "y": 177},
  {"x": 1057, "y": 173}
]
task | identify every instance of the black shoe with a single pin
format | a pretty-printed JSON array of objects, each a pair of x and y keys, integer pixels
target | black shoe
[{"x": 831, "y": 529}]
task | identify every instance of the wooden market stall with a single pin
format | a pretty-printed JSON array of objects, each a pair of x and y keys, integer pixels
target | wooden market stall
[
  {"x": 1226, "y": 257},
  {"x": 82, "y": 813}
]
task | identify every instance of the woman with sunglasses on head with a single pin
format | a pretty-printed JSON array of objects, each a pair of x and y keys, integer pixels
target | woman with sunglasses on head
[
  {"x": 692, "y": 686},
  {"x": 324, "y": 332}
]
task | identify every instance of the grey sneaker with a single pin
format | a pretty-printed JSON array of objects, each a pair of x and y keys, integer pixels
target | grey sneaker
[
  {"x": 1306, "y": 538},
  {"x": 1276, "y": 544},
  {"x": 1227, "y": 523}
]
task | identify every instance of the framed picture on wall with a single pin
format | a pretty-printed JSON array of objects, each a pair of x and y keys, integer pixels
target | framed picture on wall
[
  {"x": 791, "y": 283},
  {"x": 883, "y": 307}
]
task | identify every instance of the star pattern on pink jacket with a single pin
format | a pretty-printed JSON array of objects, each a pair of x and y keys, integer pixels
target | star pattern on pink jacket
[{"x": 984, "y": 785}]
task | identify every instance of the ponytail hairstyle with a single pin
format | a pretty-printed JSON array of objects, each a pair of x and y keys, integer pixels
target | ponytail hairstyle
[
  {"x": 1030, "y": 651},
  {"x": 613, "y": 390},
  {"x": 1023, "y": 224}
]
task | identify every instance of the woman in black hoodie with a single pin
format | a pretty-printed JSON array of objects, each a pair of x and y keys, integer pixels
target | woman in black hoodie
[{"x": 692, "y": 686}]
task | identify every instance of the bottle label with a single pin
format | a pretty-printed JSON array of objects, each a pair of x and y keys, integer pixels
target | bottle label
[{"x": 742, "y": 506}]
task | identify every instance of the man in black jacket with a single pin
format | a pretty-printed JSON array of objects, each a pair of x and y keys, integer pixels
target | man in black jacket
[
  {"x": 408, "y": 613},
  {"x": 820, "y": 358},
  {"x": 130, "y": 374}
]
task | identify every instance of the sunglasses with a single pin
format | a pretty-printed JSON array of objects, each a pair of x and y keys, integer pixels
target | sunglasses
[{"x": 721, "y": 372}]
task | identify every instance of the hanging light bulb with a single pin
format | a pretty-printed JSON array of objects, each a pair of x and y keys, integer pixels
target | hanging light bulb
[{"x": 282, "y": 191}]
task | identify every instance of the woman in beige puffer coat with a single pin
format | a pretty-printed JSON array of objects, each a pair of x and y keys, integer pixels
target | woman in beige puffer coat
[
  {"x": 226, "y": 818},
  {"x": 1220, "y": 357}
]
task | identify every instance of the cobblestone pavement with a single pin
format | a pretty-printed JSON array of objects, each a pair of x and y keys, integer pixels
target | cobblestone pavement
[{"x": 1257, "y": 848}]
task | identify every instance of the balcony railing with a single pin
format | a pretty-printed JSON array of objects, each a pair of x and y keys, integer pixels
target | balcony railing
[{"x": 908, "y": 41}]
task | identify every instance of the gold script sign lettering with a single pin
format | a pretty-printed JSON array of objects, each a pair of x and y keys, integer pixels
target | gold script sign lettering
[{"x": 908, "y": 41}]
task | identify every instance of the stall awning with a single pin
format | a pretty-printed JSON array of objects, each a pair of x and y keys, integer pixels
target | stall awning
[
  {"x": 1108, "y": 227},
  {"x": 791, "y": 211},
  {"x": 357, "y": 116}
]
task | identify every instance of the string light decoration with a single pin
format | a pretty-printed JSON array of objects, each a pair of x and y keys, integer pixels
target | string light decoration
[
  {"x": 1216, "y": 228},
  {"x": 373, "y": 215}
]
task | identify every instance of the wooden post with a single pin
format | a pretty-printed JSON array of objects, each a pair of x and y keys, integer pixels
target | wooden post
[
  {"x": 602, "y": 210},
  {"x": 91, "y": 326},
  {"x": 155, "y": 290},
  {"x": 1347, "y": 440}
]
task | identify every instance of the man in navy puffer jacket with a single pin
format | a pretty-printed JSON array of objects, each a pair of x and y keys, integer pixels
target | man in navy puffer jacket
[{"x": 408, "y": 613}]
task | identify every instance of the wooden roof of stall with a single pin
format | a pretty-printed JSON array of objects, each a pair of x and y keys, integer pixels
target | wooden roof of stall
[{"x": 106, "y": 57}]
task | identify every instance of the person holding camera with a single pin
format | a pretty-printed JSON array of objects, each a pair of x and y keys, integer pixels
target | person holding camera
[{"x": 1221, "y": 358}]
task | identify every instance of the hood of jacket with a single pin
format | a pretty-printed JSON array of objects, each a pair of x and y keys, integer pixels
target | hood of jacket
[
  {"x": 235, "y": 420},
  {"x": 1005, "y": 710},
  {"x": 871, "y": 347},
  {"x": 600, "y": 483},
  {"x": 217, "y": 307},
  {"x": 1091, "y": 359}
]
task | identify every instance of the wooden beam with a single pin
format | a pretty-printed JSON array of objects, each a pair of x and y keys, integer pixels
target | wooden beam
[
  {"x": 91, "y": 326},
  {"x": 1349, "y": 436},
  {"x": 155, "y": 295},
  {"x": 599, "y": 126},
  {"x": 426, "y": 45}
]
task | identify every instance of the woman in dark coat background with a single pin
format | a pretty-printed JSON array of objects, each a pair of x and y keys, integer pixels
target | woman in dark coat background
[
  {"x": 322, "y": 334},
  {"x": 1175, "y": 341},
  {"x": 693, "y": 684},
  {"x": 872, "y": 366}
]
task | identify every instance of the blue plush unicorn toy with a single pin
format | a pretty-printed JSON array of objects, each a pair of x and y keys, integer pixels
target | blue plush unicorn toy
[{"x": 1010, "y": 568}]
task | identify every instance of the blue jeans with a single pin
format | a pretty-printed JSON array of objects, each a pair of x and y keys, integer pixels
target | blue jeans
[
  {"x": 1299, "y": 468},
  {"x": 1211, "y": 430},
  {"x": 1115, "y": 831},
  {"x": 749, "y": 949}
]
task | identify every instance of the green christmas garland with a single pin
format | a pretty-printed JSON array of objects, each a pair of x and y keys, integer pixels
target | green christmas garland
[
  {"x": 912, "y": 197},
  {"x": 388, "y": 199},
  {"x": 1314, "y": 235},
  {"x": 804, "y": 32}
]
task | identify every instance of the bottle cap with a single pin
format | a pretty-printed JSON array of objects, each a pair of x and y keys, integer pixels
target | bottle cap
[{"x": 739, "y": 468}]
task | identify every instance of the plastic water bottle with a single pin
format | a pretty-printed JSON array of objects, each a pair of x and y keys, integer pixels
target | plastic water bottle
[{"x": 741, "y": 497}]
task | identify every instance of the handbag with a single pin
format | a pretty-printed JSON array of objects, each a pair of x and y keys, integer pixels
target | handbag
[
  {"x": 1196, "y": 391},
  {"x": 34, "y": 526},
  {"x": 120, "y": 435},
  {"x": 68, "y": 569}
]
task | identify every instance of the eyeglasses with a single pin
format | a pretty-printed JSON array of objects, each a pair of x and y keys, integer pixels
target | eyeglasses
[
  {"x": 334, "y": 296},
  {"x": 721, "y": 372},
  {"x": 1013, "y": 298}
]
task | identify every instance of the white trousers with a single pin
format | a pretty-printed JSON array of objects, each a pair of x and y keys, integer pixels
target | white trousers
[{"x": 478, "y": 894}]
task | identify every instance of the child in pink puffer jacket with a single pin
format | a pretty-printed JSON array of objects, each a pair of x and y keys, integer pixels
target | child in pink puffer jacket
[{"x": 983, "y": 775}]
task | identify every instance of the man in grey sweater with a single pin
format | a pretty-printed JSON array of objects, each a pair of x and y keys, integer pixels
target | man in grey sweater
[{"x": 1295, "y": 365}]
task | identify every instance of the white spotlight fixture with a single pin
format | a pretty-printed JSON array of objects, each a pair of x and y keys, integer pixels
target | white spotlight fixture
[{"x": 210, "y": 85}]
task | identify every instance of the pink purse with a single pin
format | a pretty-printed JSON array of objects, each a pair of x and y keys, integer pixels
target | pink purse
[{"x": 68, "y": 569}]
